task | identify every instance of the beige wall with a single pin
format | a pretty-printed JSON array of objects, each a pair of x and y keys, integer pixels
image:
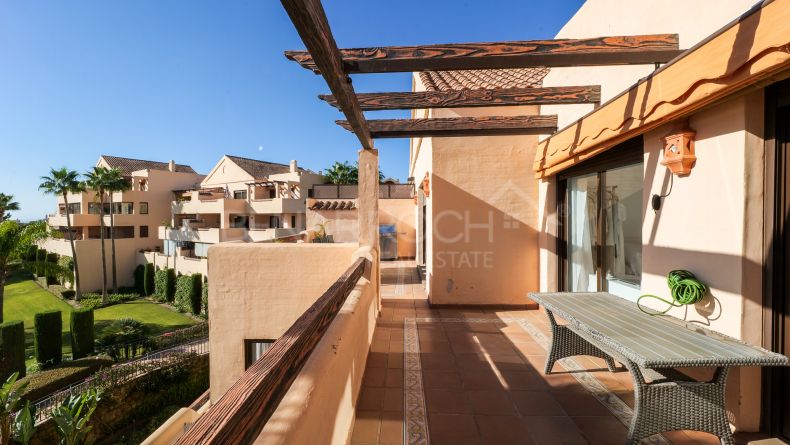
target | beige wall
[
  {"x": 183, "y": 265},
  {"x": 257, "y": 291}
]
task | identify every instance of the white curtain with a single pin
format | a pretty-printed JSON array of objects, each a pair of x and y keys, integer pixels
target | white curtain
[{"x": 582, "y": 216}]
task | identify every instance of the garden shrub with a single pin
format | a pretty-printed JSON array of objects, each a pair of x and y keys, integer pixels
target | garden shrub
[
  {"x": 66, "y": 269},
  {"x": 81, "y": 325},
  {"x": 204, "y": 298},
  {"x": 43, "y": 383},
  {"x": 68, "y": 294},
  {"x": 188, "y": 293},
  {"x": 41, "y": 258},
  {"x": 124, "y": 338},
  {"x": 51, "y": 268},
  {"x": 12, "y": 349},
  {"x": 46, "y": 338},
  {"x": 30, "y": 254},
  {"x": 148, "y": 280},
  {"x": 93, "y": 300},
  {"x": 139, "y": 279},
  {"x": 165, "y": 284}
]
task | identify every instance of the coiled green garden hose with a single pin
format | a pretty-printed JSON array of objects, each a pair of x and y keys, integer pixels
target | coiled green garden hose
[{"x": 685, "y": 289}]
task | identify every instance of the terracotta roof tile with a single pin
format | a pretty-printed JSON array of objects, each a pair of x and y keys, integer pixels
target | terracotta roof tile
[
  {"x": 260, "y": 169},
  {"x": 483, "y": 79},
  {"x": 128, "y": 165}
]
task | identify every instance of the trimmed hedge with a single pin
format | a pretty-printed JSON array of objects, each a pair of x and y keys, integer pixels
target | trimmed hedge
[
  {"x": 165, "y": 284},
  {"x": 93, "y": 300},
  {"x": 44, "y": 383},
  {"x": 139, "y": 279},
  {"x": 148, "y": 280},
  {"x": 41, "y": 258},
  {"x": 12, "y": 349},
  {"x": 68, "y": 294},
  {"x": 204, "y": 298},
  {"x": 51, "y": 268},
  {"x": 30, "y": 255},
  {"x": 81, "y": 325},
  {"x": 46, "y": 338},
  {"x": 189, "y": 289}
]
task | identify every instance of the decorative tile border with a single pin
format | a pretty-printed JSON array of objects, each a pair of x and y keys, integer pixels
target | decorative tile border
[
  {"x": 415, "y": 414},
  {"x": 415, "y": 419}
]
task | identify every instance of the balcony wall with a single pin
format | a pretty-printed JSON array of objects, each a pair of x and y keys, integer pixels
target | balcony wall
[{"x": 77, "y": 220}]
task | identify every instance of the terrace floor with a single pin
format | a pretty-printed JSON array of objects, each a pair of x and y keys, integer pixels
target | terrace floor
[{"x": 476, "y": 377}]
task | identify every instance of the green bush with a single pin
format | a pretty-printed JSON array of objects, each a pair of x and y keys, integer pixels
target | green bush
[
  {"x": 12, "y": 349},
  {"x": 81, "y": 325},
  {"x": 148, "y": 280},
  {"x": 30, "y": 254},
  {"x": 204, "y": 298},
  {"x": 66, "y": 269},
  {"x": 165, "y": 284},
  {"x": 51, "y": 268},
  {"x": 123, "y": 338},
  {"x": 41, "y": 258},
  {"x": 46, "y": 338},
  {"x": 68, "y": 294},
  {"x": 93, "y": 300},
  {"x": 139, "y": 279},
  {"x": 188, "y": 293},
  {"x": 43, "y": 383}
]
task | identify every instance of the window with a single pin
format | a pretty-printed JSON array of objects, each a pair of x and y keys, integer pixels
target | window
[
  {"x": 293, "y": 221},
  {"x": 272, "y": 193},
  {"x": 274, "y": 222},
  {"x": 123, "y": 208},
  {"x": 240, "y": 221},
  {"x": 254, "y": 349},
  {"x": 201, "y": 250},
  {"x": 143, "y": 231},
  {"x": 601, "y": 230},
  {"x": 143, "y": 208},
  {"x": 74, "y": 208},
  {"x": 240, "y": 194},
  {"x": 94, "y": 208}
]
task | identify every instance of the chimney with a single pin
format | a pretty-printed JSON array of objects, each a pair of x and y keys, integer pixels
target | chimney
[
  {"x": 171, "y": 165},
  {"x": 294, "y": 167}
]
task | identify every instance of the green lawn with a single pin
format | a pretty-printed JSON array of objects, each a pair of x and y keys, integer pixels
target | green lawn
[{"x": 24, "y": 298}]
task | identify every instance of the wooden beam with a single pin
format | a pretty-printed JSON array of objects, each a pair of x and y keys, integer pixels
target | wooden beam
[
  {"x": 460, "y": 126},
  {"x": 241, "y": 413},
  {"x": 310, "y": 21},
  {"x": 474, "y": 98},
  {"x": 620, "y": 50}
]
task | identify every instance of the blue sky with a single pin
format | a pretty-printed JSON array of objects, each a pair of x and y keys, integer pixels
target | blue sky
[{"x": 191, "y": 81}]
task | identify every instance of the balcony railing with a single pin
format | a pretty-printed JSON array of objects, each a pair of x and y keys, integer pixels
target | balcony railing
[
  {"x": 240, "y": 414},
  {"x": 350, "y": 191}
]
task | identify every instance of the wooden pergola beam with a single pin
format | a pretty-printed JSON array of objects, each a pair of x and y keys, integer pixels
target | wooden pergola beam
[
  {"x": 309, "y": 18},
  {"x": 620, "y": 50},
  {"x": 474, "y": 98},
  {"x": 460, "y": 126}
]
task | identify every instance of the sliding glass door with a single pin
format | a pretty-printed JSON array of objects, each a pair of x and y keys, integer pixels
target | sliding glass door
[{"x": 601, "y": 236}]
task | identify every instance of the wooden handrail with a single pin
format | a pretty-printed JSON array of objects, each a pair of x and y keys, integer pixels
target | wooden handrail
[{"x": 240, "y": 414}]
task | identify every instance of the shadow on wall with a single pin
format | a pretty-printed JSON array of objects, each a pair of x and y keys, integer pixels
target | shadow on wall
[{"x": 484, "y": 252}]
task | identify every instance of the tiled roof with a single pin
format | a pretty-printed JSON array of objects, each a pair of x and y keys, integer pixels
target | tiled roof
[
  {"x": 333, "y": 205},
  {"x": 128, "y": 165},
  {"x": 260, "y": 169},
  {"x": 483, "y": 79}
]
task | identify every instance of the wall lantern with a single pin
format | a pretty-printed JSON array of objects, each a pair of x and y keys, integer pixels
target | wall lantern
[
  {"x": 426, "y": 186},
  {"x": 679, "y": 155}
]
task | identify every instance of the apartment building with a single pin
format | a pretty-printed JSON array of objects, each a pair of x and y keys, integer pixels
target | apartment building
[
  {"x": 137, "y": 213},
  {"x": 240, "y": 199}
]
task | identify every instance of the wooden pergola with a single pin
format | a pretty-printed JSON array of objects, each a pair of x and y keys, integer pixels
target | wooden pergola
[{"x": 241, "y": 413}]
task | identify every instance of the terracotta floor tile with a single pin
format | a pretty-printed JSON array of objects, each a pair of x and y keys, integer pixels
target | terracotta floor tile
[
  {"x": 393, "y": 399},
  {"x": 529, "y": 348},
  {"x": 376, "y": 360},
  {"x": 366, "y": 427},
  {"x": 438, "y": 361},
  {"x": 439, "y": 347},
  {"x": 502, "y": 430},
  {"x": 472, "y": 362},
  {"x": 538, "y": 363},
  {"x": 395, "y": 360},
  {"x": 578, "y": 404},
  {"x": 601, "y": 430},
  {"x": 447, "y": 401},
  {"x": 441, "y": 379},
  {"x": 703, "y": 438},
  {"x": 488, "y": 402},
  {"x": 510, "y": 362},
  {"x": 563, "y": 382},
  {"x": 394, "y": 378},
  {"x": 553, "y": 431},
  {"x": 453, "y": 429},
  {"x": 374, "y": 377},
  {"x": 523, "y": 380},
  {"x": 370, "y": 398},
  {"x": 536, "y": 403},
  {"x": 391, "y": 430},
  {"x": 678, "y": 438},
  {"x": 480, "y": 380}
]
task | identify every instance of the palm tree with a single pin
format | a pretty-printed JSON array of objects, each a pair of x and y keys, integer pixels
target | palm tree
[
  {"x": 9, "y": 240},
  {"x": 97, "y": 180},
  {"x": 7, "y": 204},
  {"x": 342, "y": 173},
  {"x": 115, "y": 183},
  {"x": 61, "y": 182}
]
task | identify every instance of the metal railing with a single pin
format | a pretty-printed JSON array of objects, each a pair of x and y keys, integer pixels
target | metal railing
[
  {"x": 130, "y": 350},
  {"x": 351, "y": 191},
  {"x": 121, "y": 373}
]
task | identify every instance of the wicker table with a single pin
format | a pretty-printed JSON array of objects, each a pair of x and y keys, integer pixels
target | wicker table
[{"x": 603, "y": 325}]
